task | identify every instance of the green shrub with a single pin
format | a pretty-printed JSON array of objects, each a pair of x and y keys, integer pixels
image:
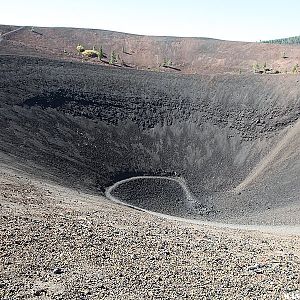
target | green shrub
[
  {"x": 283, "y": 55},
  {"x": 90, "y": 53},
  {"x": 80, "y": 48},
  {"x": 295, "y": 69},
  {"x": 256, "y": 67},
  {"x": 167, "y": 63},
  {"x": 265, "y": 65}
]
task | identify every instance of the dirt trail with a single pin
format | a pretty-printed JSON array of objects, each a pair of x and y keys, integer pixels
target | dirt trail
[
  {"x": 189, "y": 197},
  {"x": 277, "y": 155},
  {"x": 275, "y": 229},
  {"x": 10, "y": 32}
]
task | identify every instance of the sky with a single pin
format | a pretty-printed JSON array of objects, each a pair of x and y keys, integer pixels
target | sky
[{"x": 243, "y": 20}]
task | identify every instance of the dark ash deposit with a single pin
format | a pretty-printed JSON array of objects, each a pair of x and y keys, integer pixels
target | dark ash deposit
[{"x": 89, "y": 126}]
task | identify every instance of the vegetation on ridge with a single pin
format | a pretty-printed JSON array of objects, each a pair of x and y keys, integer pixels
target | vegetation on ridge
[{"x": 285, "y": 41}]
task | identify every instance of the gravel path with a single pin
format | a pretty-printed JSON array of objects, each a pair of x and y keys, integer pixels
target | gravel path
[
  {"x": 278, "y": 229},
  {"x": 151, "y": 182},
  {"x": 58, "y": 243},
  {"x": 10, "y": 32}
]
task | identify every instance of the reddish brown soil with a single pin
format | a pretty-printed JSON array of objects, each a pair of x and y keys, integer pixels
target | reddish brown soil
[{"x": 190, "y": 55}]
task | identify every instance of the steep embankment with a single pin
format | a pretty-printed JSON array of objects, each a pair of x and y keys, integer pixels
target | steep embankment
[
  {"x": 91, "y": 126},
  {"x": 286, "y": 149},
  {"x": 190, "y": 55}
]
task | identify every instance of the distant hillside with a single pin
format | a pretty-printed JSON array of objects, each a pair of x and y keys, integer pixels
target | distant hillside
[
  {"x": 153, "y": 53},
  {"x": 285, "y": 41}
]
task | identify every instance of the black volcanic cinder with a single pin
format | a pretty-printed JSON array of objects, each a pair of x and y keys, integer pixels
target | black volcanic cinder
[{"x": 229, "y": 136}]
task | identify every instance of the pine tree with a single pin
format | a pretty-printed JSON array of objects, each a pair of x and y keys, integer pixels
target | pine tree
[
  {"x": 100, "y": 53},
  {"x": 113, "y": 58},
  {"x": 284, "y": 41}
]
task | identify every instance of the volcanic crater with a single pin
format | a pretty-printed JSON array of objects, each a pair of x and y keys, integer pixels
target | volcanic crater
[
  {"x": 141, "y": 180},
  {"x": 233, "y": 140}
]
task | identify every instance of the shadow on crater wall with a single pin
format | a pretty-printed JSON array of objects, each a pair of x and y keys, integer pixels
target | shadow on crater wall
[{"x": 88, "y": 126}]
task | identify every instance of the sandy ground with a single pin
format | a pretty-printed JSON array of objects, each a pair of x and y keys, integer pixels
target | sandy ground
[{"x": 59, "y": 243}]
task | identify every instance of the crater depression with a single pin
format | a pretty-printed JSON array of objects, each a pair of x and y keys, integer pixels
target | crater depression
[{"x": 233, "y": 139}]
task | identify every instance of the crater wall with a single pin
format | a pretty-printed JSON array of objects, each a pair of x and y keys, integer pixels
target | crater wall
[{"x": 89, "y": 127}]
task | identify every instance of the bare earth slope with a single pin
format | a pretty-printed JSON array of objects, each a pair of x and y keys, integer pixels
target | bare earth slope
[
  {"x": 190, "y": 55},
  {"x": 59, "y": 243}
]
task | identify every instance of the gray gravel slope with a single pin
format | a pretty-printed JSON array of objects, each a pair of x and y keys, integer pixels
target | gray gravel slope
[{"x": 59, "y": 243}]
